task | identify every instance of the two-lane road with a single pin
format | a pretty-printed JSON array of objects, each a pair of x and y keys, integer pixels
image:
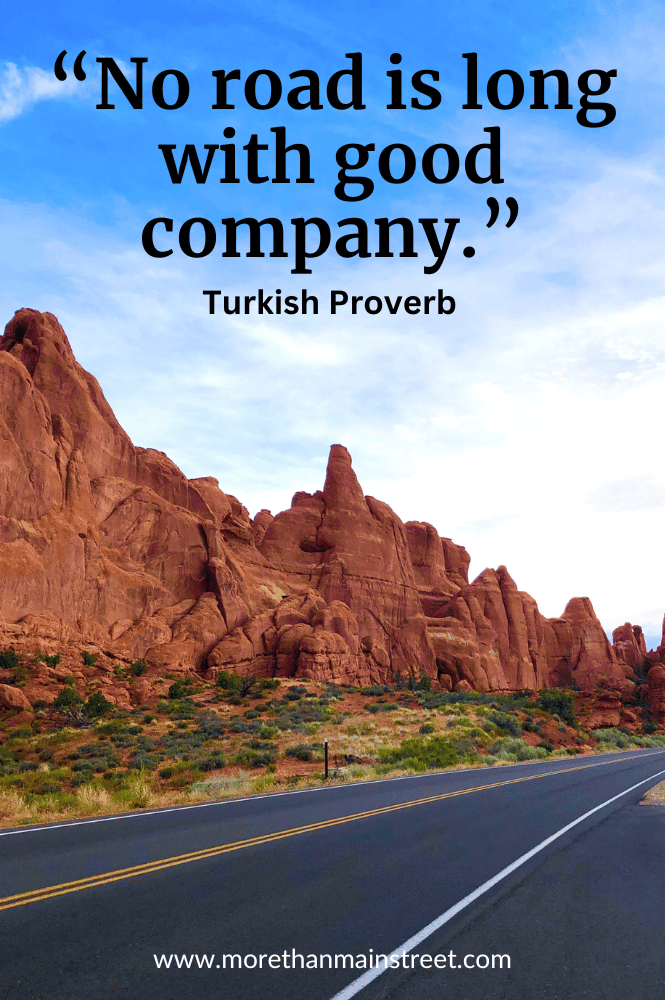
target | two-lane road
[{"x": 352, "y": 870}]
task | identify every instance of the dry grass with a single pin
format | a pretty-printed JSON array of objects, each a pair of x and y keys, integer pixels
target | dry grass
[{"x": 655, "y": 796}]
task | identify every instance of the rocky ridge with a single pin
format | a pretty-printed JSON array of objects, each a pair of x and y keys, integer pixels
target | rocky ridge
[{"x": 108, "y": 547}]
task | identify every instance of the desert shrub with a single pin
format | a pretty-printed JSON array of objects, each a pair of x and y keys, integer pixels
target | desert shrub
[
  {"x": 503, "y": 721},
  {"x": 421, "y": 754},
  {"x": 559, "y": 703},
  {"x": 210, "y": 724},
  {"x": 211, "y": 762},
  {"x": 20, "y": 675},
  {"x": 166, "y": 772},
  {"x": 306, "y": 752},
  {"x": 9, "y": 660},
  {"x": 67, "y": 698},
  {"x": 251, "y": 713},
  {"x": 50, "y": 661},
  {"x": 97, "y": 764},
  {"x": 177, "y": 691},
  {"x": 182, "y": 708},
  {"x": 375, "y": 689},
  {"x": 613, "y": 737},
  {"x": 238, "y": 726},
  {"x": 426, "y": 728},
  {"x": 138, "y": 668},
  {"x": 516, "y": 750},
  {"x": 97, "y": 706},
  {"x": 380, "y": 706},
  {"x": 463, "y": 747},
  {"x": 269, "y": 683},
  {"x": 296, "y": 715},
  {"x": 88, "y": 659},
  {"x": 255, "y": 758},
  {"x": 649, "y": 726},
  {"x": 111, "y": 728},
  {"x": 268, "y": 732},
  {"x": 142, "y": 761},
  {"x": 241, "y": 686},
  {"x": 82, "y": 778},
  {"x": 46, "y": 788}
]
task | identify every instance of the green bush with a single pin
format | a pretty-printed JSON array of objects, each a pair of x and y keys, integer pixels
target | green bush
[
  {"x": 50, "y": 661},
  {"x": 177, "y": 691},
  {"x": 111, "y": 728},
  {"x": 375, "y": 689},
  {"x": 516, "y": 750},
  {"x": 138, "y": 668},
  {"x": 426, "y": 728},
  {"x": 506, "y": 722},
  {"x": 20, "y": 675},
  {"x": 67, "y": 698},
  {"x": 9, "y": 660},
  {"x": 255, "y": 758},
  {"x": 559, "y": 703},
  {"x": 212, "y": 762},
  {"x": 97, "y": 706},
  {"x": 89, "y": 659},
  {"x": 268, "y": 732},
  {"x": 227, "y": 681},
  {"x": 306, "y": 752},
  {"x": 141, "y": 761},
  {"x": 421, "y": 754}
]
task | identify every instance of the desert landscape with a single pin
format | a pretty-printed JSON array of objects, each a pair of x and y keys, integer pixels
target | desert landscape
[{"x": 157, "y": 643}]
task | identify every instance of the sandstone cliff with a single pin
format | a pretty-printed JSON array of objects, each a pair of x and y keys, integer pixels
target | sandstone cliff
[{"x": 114, "y": 543}]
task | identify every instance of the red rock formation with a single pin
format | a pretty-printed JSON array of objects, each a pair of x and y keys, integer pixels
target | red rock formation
[
  {"x": 656, "y": 682},
  {"x": 629, "y": 645},
  {"x": 104, "y": 542}
]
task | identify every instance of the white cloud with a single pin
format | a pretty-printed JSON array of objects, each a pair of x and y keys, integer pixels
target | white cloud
[{"x": 21, "y": 88}]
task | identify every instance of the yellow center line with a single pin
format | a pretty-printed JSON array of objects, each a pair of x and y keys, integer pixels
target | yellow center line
[{"x": 47, "y": 892}]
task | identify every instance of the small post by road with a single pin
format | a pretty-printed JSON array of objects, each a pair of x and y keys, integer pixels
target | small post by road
[{"x": 326, "y": 757}]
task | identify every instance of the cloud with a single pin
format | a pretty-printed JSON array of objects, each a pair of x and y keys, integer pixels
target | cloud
[
  {"x": 630, "y": 494},
  {"x": 21, "y": 88}
]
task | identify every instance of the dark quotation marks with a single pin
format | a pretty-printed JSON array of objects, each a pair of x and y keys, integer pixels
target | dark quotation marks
[
  {"x": 61, "y": 72},
  {"x": 493, "y": 205}
]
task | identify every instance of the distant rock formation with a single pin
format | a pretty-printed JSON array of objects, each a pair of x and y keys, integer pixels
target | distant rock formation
[{"x": 117, "y": 545}]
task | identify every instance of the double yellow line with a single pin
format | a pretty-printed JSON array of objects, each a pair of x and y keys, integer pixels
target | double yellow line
[{"x": 48, "y": 892}]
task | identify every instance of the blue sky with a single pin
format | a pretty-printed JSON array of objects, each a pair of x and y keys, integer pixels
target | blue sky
[{"x": 526, "y": 426}]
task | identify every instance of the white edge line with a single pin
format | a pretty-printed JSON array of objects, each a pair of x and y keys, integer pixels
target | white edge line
[
  {"x": 413, "y": 942},
  {"x": 138, "y": 814}
]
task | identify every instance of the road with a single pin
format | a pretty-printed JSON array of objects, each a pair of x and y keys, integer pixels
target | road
[{"x": 375, "y": 864}]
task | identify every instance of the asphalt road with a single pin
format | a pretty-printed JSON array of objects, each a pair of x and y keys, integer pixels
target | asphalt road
[{"x": 583, "y": 917}]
